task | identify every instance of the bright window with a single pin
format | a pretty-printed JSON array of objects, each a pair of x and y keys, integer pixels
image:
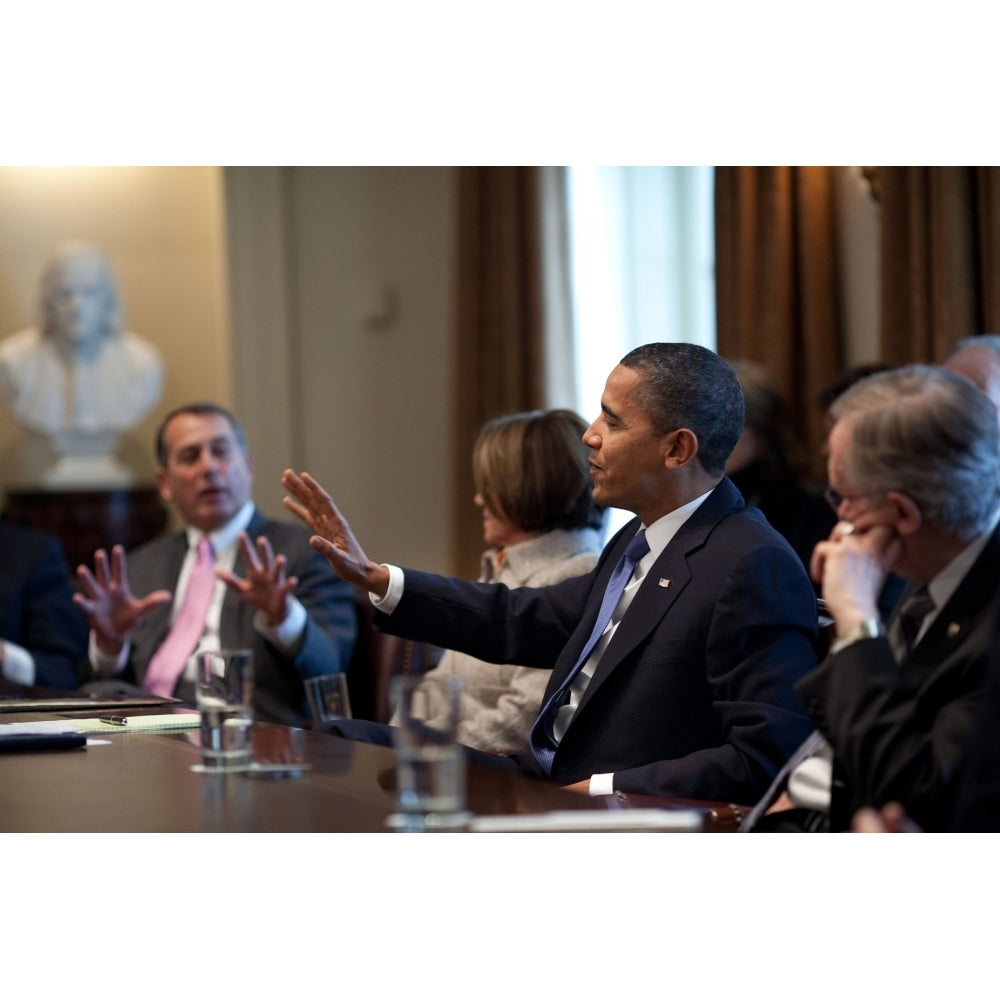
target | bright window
[{"x": 642, "y": 267}]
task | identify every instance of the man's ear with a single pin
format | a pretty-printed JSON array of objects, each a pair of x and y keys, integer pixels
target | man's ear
[
  {"x": 163, "y": 485},
  {"x": 680, "y": 446},
  {"x": 907, "y": 516}
]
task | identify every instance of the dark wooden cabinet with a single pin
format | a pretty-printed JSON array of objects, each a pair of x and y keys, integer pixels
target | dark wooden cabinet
[{"x": 89, "y": 519}]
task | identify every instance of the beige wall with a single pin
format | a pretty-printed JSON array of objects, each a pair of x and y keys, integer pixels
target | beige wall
[
  {"x": 342, "y": 286},
  {"x": 264, "y": 289},
  {"x": 163, "y": 231}
]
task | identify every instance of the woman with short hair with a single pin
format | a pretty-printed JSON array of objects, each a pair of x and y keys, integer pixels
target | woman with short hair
[{"x": 540, "y": 525}]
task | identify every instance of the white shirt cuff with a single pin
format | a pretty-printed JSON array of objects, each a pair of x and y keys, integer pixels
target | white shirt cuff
[
  {"x": 810, "y": 784},
  {"x": 602, "y": 784},
  {"x": 289, "y": 633},
  {"x": 18, "y": 663},
  {"x": 393, "y": 595},
  {"x": 104, "y": 665}
]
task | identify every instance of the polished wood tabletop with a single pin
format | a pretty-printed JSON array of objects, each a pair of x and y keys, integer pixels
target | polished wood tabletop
[{"x": 144, "y": 782}]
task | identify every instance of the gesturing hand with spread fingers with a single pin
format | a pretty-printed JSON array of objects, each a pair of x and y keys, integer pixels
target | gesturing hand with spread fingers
[
  {"x": 332, "y": 536},
  {"x": 107, "y": 600},
  {"x": 265, "y": 585}
]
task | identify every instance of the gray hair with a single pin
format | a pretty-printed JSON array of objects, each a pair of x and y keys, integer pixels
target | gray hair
[
  {"x": 930, "y": 434},
  {"x": 684, "y": 385},
  {"x": 990, "y": 340}
]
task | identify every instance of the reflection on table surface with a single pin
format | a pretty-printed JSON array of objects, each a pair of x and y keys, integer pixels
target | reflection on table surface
[{"x": 134, "y": 782}]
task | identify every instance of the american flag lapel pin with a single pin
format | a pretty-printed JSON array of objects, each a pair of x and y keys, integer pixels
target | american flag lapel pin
[{"x": 664, "y": 582}]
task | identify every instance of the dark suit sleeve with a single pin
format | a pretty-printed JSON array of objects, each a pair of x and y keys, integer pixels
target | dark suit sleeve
[
  {"x": 488, "y": 621},
  {"x": 887, "y": 747},
  {"x": 331, "y": 628},
  {"x": 977, "y": 794},
  {"x": 761, "y": 640},
  {"x": 49, "y": 625}
]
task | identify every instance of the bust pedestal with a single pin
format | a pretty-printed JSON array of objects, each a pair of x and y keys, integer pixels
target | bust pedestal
[{"x": 86, "y": 520}]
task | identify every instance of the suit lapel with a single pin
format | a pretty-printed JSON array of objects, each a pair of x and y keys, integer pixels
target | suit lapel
[
  {"x": 655, "y": 599},
  {"x": 962, "y": 611},
  {"x": 170, "y": 571}
]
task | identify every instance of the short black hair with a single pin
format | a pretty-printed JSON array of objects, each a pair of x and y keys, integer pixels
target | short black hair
[{"x": 686, "y": 385}]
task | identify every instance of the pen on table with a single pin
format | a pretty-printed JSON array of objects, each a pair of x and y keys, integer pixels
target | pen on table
[{"x": 114, "y": 720}]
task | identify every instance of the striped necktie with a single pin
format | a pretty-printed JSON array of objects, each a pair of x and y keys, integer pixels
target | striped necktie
[{"x": 543, "y": 744}]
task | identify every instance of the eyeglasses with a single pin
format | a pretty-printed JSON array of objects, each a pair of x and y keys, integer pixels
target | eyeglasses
[{"x": 835, "y": 498}]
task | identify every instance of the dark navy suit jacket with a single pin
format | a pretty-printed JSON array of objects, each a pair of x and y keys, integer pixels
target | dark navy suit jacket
[
  {"x": 694, "y": 695},
  {"x": 36, "y": 605}
]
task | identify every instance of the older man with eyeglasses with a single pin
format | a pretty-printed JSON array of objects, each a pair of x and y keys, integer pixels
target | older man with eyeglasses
[{"x": 914, "y": 479}]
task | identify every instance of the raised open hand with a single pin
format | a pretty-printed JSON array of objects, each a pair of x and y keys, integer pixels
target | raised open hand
[
  {"x": 108, "y": 602},
  {"x": 332, "y": 535},
  {"x": 265, "y": 585}
]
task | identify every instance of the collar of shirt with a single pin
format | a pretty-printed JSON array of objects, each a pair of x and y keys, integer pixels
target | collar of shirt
[
  {"x": 661, "y": 532},
  {"x": 946, "y": 582},
  {"x": 224, "y": 541}
]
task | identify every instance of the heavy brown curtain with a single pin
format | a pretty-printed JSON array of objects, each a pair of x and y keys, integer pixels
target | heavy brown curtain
[
  {"x": 776, "y": 282},
  {"x": 499, "y": 350},
  {"x": 940, "y": 267}
]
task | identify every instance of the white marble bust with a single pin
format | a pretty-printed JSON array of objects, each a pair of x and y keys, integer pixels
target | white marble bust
[
  {"x": 78, "y": 370},
  {"x": 77, "y": 377}
]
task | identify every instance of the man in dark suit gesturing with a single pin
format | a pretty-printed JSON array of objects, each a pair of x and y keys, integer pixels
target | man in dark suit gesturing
[
  {"x": 688, "y": 690},
  {"x": 290, "y": 609}
]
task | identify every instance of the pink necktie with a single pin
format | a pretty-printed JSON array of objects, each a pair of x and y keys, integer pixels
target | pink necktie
[{"x": 168, "y": 661}]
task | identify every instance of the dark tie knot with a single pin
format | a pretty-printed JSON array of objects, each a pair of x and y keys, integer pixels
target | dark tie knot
[
  {"x": 912, "y": 613},
  {"x": 918, "y": 605}
]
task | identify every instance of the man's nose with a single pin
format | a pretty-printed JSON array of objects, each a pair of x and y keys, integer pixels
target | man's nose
[{"x": 207, "y": 462}]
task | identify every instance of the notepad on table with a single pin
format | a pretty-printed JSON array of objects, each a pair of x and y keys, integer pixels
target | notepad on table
[
  {"x": 139, "y": 723},
  {"x": 132, "y": 724}
]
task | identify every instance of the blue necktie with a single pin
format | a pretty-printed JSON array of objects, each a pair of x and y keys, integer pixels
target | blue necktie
[{"x": 543, "y": 744}]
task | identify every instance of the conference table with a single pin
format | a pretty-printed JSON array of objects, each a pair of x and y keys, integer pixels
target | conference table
[{"x": 143, "y": 781}]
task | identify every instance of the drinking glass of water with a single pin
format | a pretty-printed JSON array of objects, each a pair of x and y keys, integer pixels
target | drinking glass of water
[
  {"x": 430, "y": 763},
  {"x": 328, "y": 697},
  {"x": 224, "y": 695}
]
